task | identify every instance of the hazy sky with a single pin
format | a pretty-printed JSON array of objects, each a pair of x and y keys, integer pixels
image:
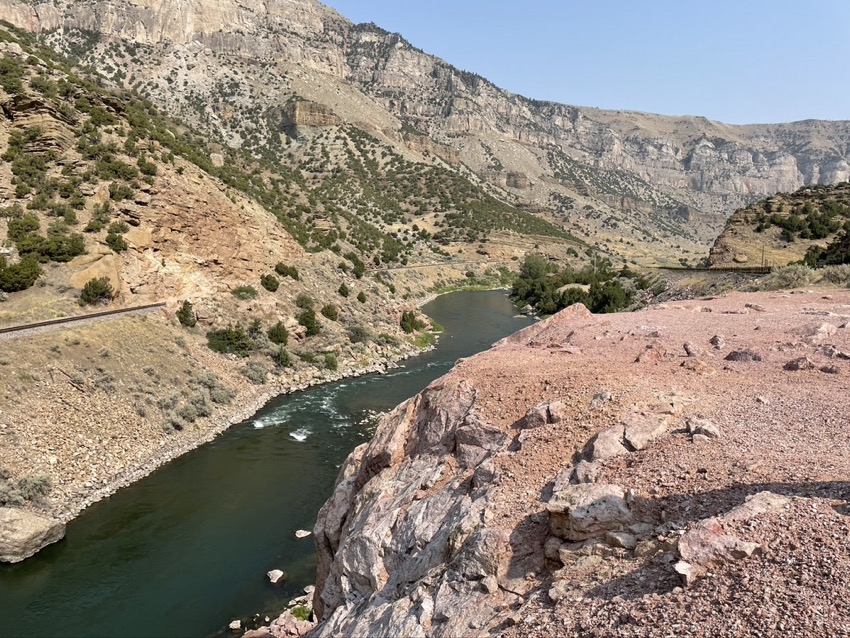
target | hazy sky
[{"x": 741, "y": 61}]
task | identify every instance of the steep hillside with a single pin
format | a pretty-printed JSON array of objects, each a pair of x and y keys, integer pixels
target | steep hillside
[
  {"x": 97, "y": 188},
  {"x": 810, "y": 224},
  {"x": 649, "y": 188}
]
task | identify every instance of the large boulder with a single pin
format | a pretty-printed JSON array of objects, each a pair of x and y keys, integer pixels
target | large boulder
[
  {"x": 23, "y": 533},
  {"x": 588, "y": 510}
]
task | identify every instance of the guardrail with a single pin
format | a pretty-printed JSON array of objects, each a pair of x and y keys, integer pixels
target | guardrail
[{"x": 92, "y": 315}]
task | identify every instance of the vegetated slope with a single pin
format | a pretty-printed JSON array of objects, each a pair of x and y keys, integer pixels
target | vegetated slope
[
  {"x": 646, "y": 187},
  {"x": 810, "y": 224},
  {"x": 95, "y": 186}
]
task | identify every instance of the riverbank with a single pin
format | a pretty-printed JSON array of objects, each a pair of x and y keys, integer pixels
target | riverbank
[
  {"x": 199, "y": 534},
  {"x": 250, "y": 403},
  {"x": 89, "y": 408}
]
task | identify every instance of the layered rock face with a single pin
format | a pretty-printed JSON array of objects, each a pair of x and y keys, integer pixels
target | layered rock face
[{"x": 229, "y": 66}]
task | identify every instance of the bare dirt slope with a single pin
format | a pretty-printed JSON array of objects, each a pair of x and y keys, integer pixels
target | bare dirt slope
[{"x": 590, "y": 476}]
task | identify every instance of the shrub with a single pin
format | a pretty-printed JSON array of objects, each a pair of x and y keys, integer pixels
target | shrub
[
  {"x": 116, "y": 242},
  {"x": 838, "y": 274},
  {"x": 358, "y": 334},
  {"x": 301, "y": 612},
  {"x": 361, "y": 297},
  {"x": 96, "y": 291},
  {"x": 270, "y": 283},
  {"x": 19, "y": 276},
  {"x": 245, "y": 293},
  {"x": 33, "y": 487},
  {"x": 186, "y": 315},
  {"x": 330, "y": 311},
  {"x": 20, "y": 227},
  {"x": 283, "y": 358},
  {"x": 792, "y": 276},
  {"x": 231, "y": 340},
  {"x": 255, "y": 372},
  {"x": 188, "y": 412},
  {"x": 309, "y": 321},
  {"x": 278, "y": 334},
  {"x": 409, "y": 322},
  {"x": 120, "y": 192},
  {"x": 286, "y": 271},
  {"x": 343, "y": 290},
  {"x": 221, "y": 395},
  {"x": 119, "y": 227},
  {"x": 305, "y": 301},
  {"x": 330, "y": 361}
]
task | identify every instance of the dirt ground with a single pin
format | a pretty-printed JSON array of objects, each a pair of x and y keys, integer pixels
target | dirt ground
[{"x": 783, "y": 427}]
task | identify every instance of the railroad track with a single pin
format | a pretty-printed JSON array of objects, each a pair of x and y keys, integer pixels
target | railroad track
[
  {"x": 92, "y": 315},
  {"x": 750, "y": 270}
]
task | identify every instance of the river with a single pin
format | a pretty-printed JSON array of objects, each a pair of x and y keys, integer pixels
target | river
[{"x": 185, "y": 550}]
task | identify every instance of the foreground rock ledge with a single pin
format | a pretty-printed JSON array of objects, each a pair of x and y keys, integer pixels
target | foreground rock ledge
[
  {"x": 23, "y": 533},
  {"x": 472, "y": 512}
]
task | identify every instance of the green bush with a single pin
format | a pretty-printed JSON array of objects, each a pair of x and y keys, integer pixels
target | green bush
[
  {"x": 330, "y": 311},
  {"x": 310, "y": 322},
  {"x": 118, "y": 228},
  {"x": 283, "y": 359},
  {"x": 19, "y": 276},
  {"x": 361, "y": 297},
  {"x": 330, "y": 361},
  {"x": 286, "y": 271},
  {"x": 302, "y": 612},
  {"x": 343, "y": 290},
  {"x": 245, "y": 293},
  {"x": 231, "y": 340},
  {"x": 20, "y": 227},
  {"x": 97, "y": 291},
  {"x": 116, "y": 242},
  {"x": 186, "y": 315},
  {"x": 409, "y": 323},
  {"x": 270, "y": 283},
  {"x": 305, "y": 301},
  {"x": 120, "y": 192},
  {"x": 278, "y": 334}
]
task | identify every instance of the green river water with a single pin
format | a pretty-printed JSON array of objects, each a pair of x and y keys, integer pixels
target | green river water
[{"x": 185, "y": 550}]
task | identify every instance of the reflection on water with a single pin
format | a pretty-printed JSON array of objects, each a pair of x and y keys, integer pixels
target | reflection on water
[{"x": 185, "y": 550}]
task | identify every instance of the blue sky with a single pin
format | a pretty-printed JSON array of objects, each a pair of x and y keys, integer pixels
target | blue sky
[{"x": 740, "y": 62}]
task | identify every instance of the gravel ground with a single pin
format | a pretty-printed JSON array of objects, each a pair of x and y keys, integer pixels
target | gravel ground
[{"x": 781, "y": 430}]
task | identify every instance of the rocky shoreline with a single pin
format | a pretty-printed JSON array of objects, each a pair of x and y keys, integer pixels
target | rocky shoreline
[
  {"x": 242, "y": 413},
  {"x": 101, "y": 449}
]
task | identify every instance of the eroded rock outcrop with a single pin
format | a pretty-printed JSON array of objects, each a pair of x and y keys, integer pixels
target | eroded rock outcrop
[{"x": 402, "y": 542}]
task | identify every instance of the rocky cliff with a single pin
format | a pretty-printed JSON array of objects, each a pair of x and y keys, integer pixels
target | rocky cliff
[
  {"x": 664, "y": 184},
  {"x": 607, "y": 475}
]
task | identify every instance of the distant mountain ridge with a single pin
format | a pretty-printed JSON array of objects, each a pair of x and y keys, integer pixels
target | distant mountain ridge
[{"x": 641, "y": 185}]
